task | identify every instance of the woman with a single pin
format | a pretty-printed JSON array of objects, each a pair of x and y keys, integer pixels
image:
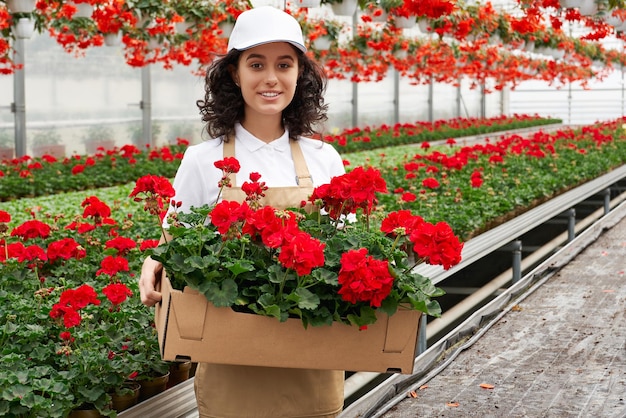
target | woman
[{"x": 260, "y": 98}]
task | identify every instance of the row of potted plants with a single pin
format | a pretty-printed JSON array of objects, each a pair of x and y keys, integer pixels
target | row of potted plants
[
  {"x": 51, "y": 174},
  {"x": 73, "y": 330},
  {"x": 185, "y": 32}
]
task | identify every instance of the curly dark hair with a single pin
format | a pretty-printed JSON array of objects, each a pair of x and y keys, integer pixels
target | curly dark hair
[{"x": 223, "y": 103}]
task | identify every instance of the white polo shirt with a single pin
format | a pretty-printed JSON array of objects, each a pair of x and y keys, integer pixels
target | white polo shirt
[{"x": 196, "y": 181}]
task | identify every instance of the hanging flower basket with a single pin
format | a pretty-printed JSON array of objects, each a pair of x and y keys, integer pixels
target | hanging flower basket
[
  {"x": 423, "y": 24},
  {"x": 21, "y": 6},
  {"x": 307, "y": 3},
  {"x": 24, "y": 28},
  {"x": 322, "y": 43},
  {"x": 405, "y": 22},
  {"x": 113, "y": 39},
  {"x": 345, "y": 8}
]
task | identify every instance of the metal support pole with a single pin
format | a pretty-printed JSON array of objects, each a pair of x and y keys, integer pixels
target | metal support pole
[
  {"x": 571, "y": 224},
  {"x": 421, "y": 336},
  {"x": 355, "y": 86},
  {"x": 517, "y": 260},
  {"x": 483, "y": 101},
  {"x": 431, "y": 95},
  {"x": 458, "y": 99},
  {"x": 146, "y": 106},
  {"x": 607, "y": 200},
  {"x": 396, "y": 96},
  {"x": 18, "y": 107}
]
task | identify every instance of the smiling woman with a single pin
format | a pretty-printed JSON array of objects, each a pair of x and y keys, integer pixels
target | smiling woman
[{"x": 261, "y": 99}]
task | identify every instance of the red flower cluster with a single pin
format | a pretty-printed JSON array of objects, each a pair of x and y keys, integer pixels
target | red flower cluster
[
  {"x": 435, "y": 244},
  {"x": 96, "y": 209},
  {"x": 112, "y": 265},
  {"x": 65, "y": 249},
  {"x": 228, "y": 165},
  {"x": 121, "y": 244},
  {"x": 32, "y": 229},
  {"x": 364, "y": 278},
  {"x": 345, "y": 194},
  {"x": 116, "y": 293},
  {"x": 72, "y": 301},
  {"x": 275, "y": 229},
  {"x": 156, "y": 190}
]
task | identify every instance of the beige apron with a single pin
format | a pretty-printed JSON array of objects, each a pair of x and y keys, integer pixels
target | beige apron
[{"x": 228, "y": 391}]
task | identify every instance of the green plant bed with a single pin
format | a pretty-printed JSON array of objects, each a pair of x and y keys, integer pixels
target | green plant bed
[
  {"x": 119, "y": 166},
  {"x": 360, "y": 139},
  {"x": 472, "y": 188}
]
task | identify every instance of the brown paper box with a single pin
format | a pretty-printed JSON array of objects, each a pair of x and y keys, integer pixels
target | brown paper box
[{"x": 191, "y": 328}]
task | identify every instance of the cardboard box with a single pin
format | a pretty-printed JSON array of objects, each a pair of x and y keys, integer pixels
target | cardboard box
[{"x": 191, "y": 328}]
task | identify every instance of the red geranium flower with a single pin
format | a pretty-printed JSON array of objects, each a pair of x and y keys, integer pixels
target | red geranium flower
[
  {"x": 437, "y": 244},
  {"x": 121, "y": 244},
  {"x": 303, "y": 253},
  {"x": 5, "y": 217},
  {"x": 228, "y": 213},
  {"x": 112, "y": 265},
  {"x": 116, "y": 293},
  {"x": 96, "y": 209},
  {"x": 364, "y": 278},
  {"x": 156, "y": 190},
  {"x": 148, "y": 243},
  {"x": 65, "y": 248},
  {"x": 32, "y": 229}
]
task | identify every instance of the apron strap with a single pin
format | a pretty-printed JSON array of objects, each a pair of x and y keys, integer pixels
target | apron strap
[{"x": 303, "y": 177}]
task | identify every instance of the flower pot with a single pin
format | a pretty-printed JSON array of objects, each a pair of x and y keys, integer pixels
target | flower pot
[
  {"x": 126, "y": 400},
  {"x": 179, "y": 372},
  {"x": 152, "y": 386},
  {"x": 585, "y": 7},
  {"x": 614, "y": 21},
  {"x": 154, "y": 43},
  {"x": 84, "y": 413},
  {"x": 322, "y": 43},
  {"x": 21, "y": 6},
  {"x": 307, "y": 3},
  {"x": 24, "y": 28},
  {"x": 405, "y": 22},
  {"x": 423, "y": 24},
  {"x": 113, "y": 39},
  {"x": 345, "y": 8}
]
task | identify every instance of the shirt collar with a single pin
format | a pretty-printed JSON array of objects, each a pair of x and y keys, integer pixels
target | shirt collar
[{"x": 252, "y": 143}]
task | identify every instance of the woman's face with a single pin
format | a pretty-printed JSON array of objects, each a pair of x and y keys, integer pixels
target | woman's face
[{"x": 267, "y": 75}]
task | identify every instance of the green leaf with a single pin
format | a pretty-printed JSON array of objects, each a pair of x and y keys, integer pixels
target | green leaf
[
  {"x": 307, "y": 299},
  {"x": 367, "y": 316},
  {"x": 224, "y": 295},
  {"x": 239, "y": 267}
]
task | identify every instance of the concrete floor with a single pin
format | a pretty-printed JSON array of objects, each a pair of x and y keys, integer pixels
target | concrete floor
[{"x": 560, "y": 352}]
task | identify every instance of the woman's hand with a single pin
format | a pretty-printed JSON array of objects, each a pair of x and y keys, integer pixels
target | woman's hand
[{"x": 147, "y": 282}]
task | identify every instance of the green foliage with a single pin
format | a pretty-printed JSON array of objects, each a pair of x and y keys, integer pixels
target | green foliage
[
  {"x": 356, "y": 140},
  {"x": 243, "y": 273}
]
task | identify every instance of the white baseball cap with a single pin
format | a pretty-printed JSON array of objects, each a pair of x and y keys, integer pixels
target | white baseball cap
[{"x": 263, "y": 25}]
